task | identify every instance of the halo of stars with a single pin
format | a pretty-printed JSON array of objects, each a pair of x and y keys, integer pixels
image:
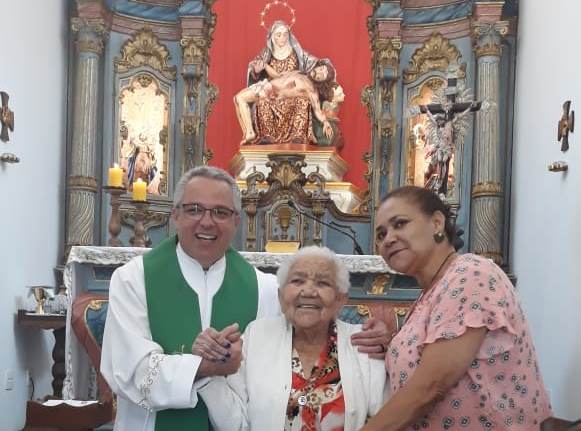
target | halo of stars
[{"x": 269, "y": 5}]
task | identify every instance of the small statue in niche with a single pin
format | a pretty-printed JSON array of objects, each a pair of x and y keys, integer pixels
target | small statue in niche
[{"x": 443, "y": 131}]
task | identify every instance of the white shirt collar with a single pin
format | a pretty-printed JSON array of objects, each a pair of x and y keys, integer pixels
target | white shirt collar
[{"x": 183, "y": 257}]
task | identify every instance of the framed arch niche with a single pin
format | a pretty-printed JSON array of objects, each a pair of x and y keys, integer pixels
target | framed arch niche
[
  {"x": 424, "y": 81},
  {"x": 144, "y": 111}
]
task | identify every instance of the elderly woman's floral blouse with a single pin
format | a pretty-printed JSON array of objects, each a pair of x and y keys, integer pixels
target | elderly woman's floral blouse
[
  {"x": 317, "y": 403},
  {"x": 502, "y": 389}
]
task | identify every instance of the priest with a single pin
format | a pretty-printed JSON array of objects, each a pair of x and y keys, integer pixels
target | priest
[{"x": 193, "y": 285}]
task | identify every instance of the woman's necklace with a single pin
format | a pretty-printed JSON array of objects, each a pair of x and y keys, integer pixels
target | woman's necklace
[{"x": 413, "y": 307}]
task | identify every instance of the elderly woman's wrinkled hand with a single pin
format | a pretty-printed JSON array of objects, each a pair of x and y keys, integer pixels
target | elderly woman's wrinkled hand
[
  {"x": 216, "y": 346},
  {"x": 373, "y": 339},
  {"x": 224, "y": 367}
]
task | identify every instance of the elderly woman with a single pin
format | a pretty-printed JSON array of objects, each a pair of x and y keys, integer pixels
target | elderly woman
[
  {"x": 300, "y": 371},
  {"x": 465, "y": 357}
]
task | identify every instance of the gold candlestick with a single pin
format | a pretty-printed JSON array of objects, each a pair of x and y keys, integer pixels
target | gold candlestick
[
  {"x": 138, "y": 239},
  {"x": 115, "y": 220}
]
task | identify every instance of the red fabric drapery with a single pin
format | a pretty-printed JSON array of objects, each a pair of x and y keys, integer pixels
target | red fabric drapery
[{"x": 326, "y": 28}]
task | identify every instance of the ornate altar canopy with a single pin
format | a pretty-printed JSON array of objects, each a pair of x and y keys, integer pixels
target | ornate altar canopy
[{"x": 156, "y": 81}]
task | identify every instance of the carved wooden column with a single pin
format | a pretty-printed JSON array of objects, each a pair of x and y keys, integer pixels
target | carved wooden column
[
  {"x": 199, "y": 95},
  {"x": 380, "y": 100},
  {"x": 486, "y": 218},
  {"x": 81, "y": 181}
]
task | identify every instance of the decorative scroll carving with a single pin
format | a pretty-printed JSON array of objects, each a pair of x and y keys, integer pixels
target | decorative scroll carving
[
  {"x": 487, "y": 37},
  {"x": 212, "y": 93},
  {"x": 367, "y": 100},
  {"x": 286, "y": 170},
  {"x": 319, "y": 181},
  {"x": 363, "y": 207},
  {"x": 194, "y": 50},
  {"x": 91, "y": 32},
  {"x": 436, "y": 54},
  {"x": 194, "y": 60},
  {"x": 386, "y": 51},
  {"x": 144, "y": 49},
  {"x": 190, "y": 124}
]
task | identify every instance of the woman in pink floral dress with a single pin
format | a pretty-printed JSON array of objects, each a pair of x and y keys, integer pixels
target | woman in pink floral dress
[{"x": 465, "y": 359}]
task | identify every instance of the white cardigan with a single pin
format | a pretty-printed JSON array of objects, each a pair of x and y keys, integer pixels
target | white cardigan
[{"x": 256, "y": 397}]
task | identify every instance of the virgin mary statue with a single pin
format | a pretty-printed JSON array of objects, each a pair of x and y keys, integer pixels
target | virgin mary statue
[{"x": 287, "y": 120}]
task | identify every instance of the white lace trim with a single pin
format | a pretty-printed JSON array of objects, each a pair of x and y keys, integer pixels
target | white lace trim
[{"x": 145, "y": 388}]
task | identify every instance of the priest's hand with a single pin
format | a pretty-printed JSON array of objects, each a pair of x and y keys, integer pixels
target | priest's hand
[
  {"x": 225, "y": 366},
  {"x": 373, "y": 339},
  {"x": 215, "y": 346}
]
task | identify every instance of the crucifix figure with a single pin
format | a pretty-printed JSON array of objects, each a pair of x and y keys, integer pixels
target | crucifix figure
[
  {"x": 6, "y": 117},
  {"x": 447, "y": 124}
]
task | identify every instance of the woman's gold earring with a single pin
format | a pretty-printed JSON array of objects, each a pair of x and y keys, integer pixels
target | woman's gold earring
[{"x": 439, "y": 237}]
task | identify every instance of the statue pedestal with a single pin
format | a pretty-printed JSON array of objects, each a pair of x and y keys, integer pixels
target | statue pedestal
[
  {"x": 330, "y": 164},
  {"x": 346, "y": 196}
]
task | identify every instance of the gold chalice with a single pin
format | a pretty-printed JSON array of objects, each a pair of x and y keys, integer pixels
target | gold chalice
[{"x": 41, "y": 294}]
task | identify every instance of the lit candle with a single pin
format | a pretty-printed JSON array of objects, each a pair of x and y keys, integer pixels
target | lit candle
[
  {"x": 139, "y": 190},
  {"x": 115, "y": 176}
]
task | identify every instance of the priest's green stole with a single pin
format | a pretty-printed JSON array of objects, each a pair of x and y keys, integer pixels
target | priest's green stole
[{"x": 174, "y": 315}]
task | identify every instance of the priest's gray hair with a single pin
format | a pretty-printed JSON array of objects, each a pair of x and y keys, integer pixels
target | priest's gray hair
[
  {"x": 211, "y": 173},
  {"x": 341, "y": 274}
]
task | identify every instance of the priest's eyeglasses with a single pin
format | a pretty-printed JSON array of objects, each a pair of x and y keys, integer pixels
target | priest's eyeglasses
[{"x": 196, "y": 212}]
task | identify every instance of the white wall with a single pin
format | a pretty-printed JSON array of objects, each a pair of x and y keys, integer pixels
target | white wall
[
  {"x": 546, "y": 225},
  {"x": 33, "y": 72}
]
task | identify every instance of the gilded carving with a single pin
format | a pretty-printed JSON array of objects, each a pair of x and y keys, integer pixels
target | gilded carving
[
  {"x": 367, "y": 99},
  {"x": 487, "y": 38},
  {"x": 96, "y": 304},
  {"x": 319, "y": 181},
  {"x": 435, "y": 54},
  {"x": 207, "y": 156},
  {"x": 144, "y": 49},
  {"x": 144, "y": 80},
  {"x": 212, "y": 93},
  {"x": 363, "y": 310},
  {"x": 488, "y": 188},
  {"x": 286, "y": 169},
  {"x": 379, "y": 284},
  {"x": 90, "y": 34},
  {"x": 190, "y": 124},
  {"x": 194, "y": 50},
  {"x": 387, "y": 52}
]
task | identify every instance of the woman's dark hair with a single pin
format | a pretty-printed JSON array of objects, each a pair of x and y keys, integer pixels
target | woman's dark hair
[{"x": 429, "y": 203}]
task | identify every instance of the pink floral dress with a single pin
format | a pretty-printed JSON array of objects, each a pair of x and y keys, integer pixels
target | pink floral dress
[{"x": 502, "y": 389}]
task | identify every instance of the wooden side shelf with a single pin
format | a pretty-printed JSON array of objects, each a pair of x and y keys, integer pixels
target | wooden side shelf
[{"x": 65, "y": 417}]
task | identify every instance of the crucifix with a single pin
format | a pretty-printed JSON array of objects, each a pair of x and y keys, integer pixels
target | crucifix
[
  {"x": 447, "y": 123},
  {"x": 6, "y": 117}
]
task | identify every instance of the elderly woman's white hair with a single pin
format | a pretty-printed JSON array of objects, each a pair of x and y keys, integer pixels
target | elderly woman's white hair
[{"x": 313, "y": 251}]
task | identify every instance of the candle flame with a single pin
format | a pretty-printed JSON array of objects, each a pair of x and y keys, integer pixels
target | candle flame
[{"x": 116, "y": 165}]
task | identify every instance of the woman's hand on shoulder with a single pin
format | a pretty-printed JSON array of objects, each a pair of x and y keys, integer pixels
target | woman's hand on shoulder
[{"x": 372, "y": 339}]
